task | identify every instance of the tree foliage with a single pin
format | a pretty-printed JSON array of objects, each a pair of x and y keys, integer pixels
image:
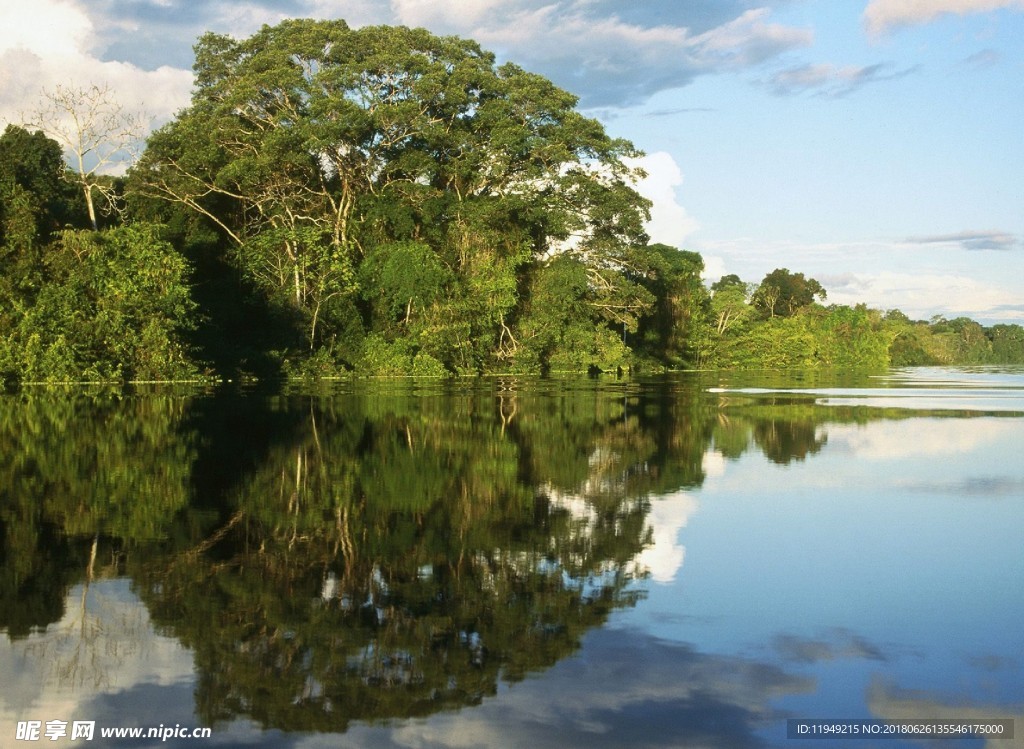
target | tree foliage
[
  {"x": 110, "y": 305},
  {"x": 34, "y": 197},
  {"x": 781, "y": 293},
  {"x": 382, "y": 201},
  {"x": 336, "y": 148}
]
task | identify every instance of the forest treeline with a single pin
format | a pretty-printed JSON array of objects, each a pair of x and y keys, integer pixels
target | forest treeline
[{"x": 383, "y": 201}]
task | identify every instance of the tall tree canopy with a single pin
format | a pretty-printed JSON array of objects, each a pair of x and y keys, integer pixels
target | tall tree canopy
[
  {"x": 317, "y": 149},
  {"x": 783, "y": 292}
]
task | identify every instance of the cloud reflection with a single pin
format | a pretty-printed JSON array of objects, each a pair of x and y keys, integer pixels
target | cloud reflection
[
  {"x": 894, "y": 440},
  {"x": 624, "y": 689},
  {"x": 842, "y": 644},
  {"x": 663, "y": 558},
  {"x": 889, "y": 702}
]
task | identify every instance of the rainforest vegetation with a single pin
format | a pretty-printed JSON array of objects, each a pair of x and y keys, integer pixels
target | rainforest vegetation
[{"x": 383, "y": 201}]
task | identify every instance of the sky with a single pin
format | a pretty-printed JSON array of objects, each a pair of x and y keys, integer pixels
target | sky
[{"x": 875, "y": 145}]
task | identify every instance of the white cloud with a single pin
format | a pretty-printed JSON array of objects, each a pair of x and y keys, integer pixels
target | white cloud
[
  {"x": 882, "y": 15},
  {"x": 888, "y": 274},
  {"x": 603, "y": 58},
  {"x": 609, "y": 56},
  {"x": 747, "y": 40},
  {"x": 668, "y": 515},
  {"x": 900, "y": 440},
  {"x": 922, "y": 295},
  {"x": 48, "y": 28},
  {"x": 714, "y": 267},
  {"x": 670, "y": 223},
  {"x": 431, "y": 13},
  {"x": 48, "y": 42}
]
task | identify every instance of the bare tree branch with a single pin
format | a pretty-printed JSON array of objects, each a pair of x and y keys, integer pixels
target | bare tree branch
[{"x": 98, "y": 136}]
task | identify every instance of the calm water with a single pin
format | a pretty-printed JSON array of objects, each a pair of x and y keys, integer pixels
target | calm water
[{"x": 687, "y": 561}]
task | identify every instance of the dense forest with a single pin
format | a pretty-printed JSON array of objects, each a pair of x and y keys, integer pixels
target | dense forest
[{"x": 382, "y": 201}]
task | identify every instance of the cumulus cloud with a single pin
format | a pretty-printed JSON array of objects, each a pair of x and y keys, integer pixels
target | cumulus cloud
[
  {"x": 714, "y": 268},
  {"x": 972, "y": 240},
  {"x": 50, "y": 42},
  {"x": 883, "y": 15},
  {"x": 670, "y": 223},
  {"x": 826, "y": 79}
]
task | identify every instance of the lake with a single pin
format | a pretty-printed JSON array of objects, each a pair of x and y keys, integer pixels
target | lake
[{"x": 692, "y": 560}]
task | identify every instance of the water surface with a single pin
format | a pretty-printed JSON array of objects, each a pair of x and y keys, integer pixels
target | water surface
[{"x": 684, "y": 561}]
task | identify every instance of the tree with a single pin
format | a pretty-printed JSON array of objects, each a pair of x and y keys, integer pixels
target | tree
[
  {"x": 98, "y": 134},
  {"x": 782, "y": 293},
  {"x": 110, "y": 305},
  {"x": 1007, "y": 343},
  {"x": 680, "y": 310},
  {"x": 34, "y": 199},
  {"x": 851, "y": 337},
  {"x": 729, "y": 281},
  {"x": 311, "y": 146},
  {"x": 729, "y": 303}
]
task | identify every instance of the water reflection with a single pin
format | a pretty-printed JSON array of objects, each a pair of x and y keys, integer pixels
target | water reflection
[{"x": 326, "y": 562}]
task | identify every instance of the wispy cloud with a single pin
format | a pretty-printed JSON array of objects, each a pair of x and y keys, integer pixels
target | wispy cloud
[
  {"x": 677, "y": 110},
  {"x": 986, "y": 58},
  {"x": 609, "y": 61},
  {"x": 832, "y": 81},
  {"x": 841, "y": 644},
  {"x": 882, "y": 15},
  {"x": 972, "y": 240}
]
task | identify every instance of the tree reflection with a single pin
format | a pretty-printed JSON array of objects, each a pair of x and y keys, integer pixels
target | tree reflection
[
  {"x": 81, "y": 473},
  {"x": 365, "y": 556},
  {"x": 783, "y": 429},
  {"x": 397, "y": 556},
  {"x": 784, "y": 441}
]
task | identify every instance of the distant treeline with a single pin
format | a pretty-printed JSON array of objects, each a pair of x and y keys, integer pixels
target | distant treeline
[{"x": 382, "y": 201}]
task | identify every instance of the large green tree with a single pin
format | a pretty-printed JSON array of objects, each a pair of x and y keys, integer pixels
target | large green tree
[
  {"x": 678, "y": 321},
  {"x": 34, "y": 198},
  {"x": 782, "y": 293},
  {"x": 315, "y": 148}
]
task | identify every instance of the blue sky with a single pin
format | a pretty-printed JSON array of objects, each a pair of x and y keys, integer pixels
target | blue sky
[{"x": 875, "y": 145}]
